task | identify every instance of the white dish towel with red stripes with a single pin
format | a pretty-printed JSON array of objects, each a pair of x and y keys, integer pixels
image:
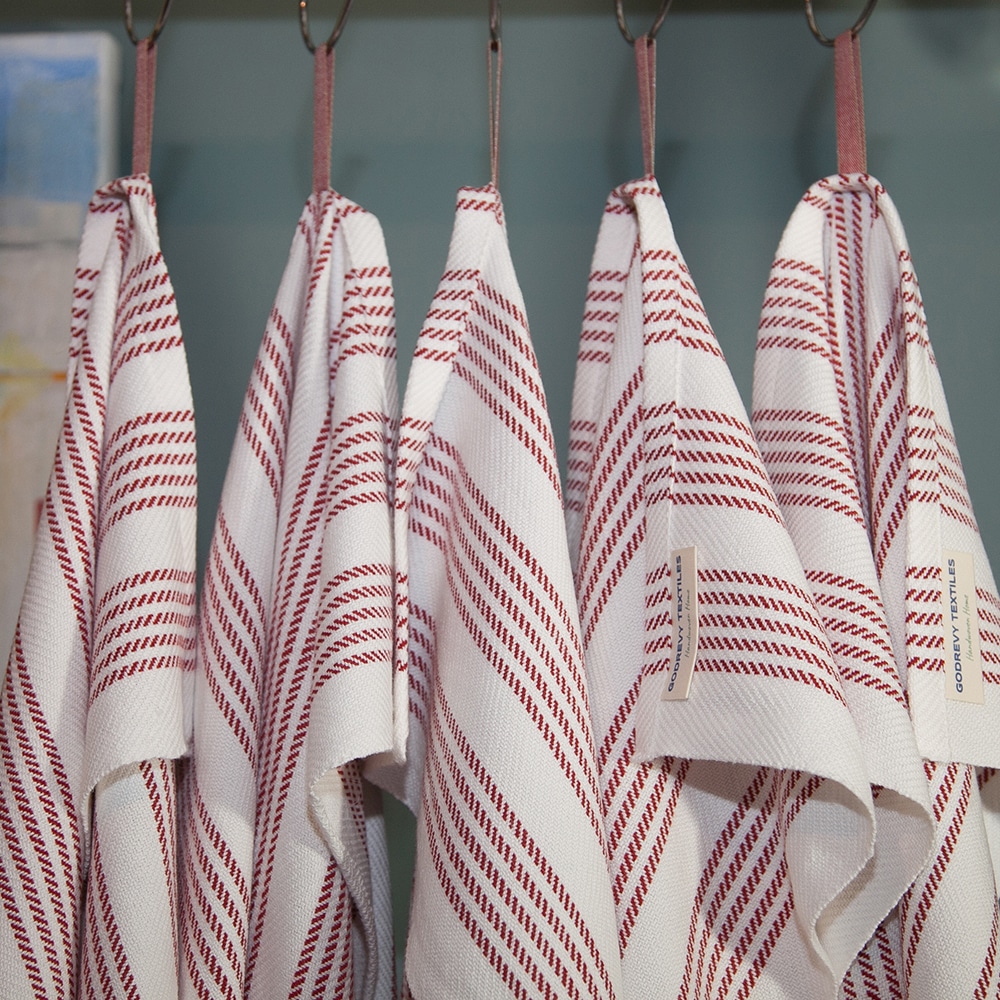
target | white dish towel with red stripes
[
  {"x": 851, "y": 415},
  {"x": 511, "y": 896},
  {"x": 740, "y": 818},
  {"x": 286, "y": 883},
  {"x": 93, "y": 713}
]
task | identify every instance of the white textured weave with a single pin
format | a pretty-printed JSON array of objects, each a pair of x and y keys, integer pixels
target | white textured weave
[
  {"x": 286, "y": 875},
  {"x": 854, "y": 428},
  {"x": 738, "y": 818},
  {"x": 93, "y": 706},
  {"x": 511, "y": 896}
]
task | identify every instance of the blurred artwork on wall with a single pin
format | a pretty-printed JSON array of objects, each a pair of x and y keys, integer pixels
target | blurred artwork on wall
[{"x": 59, "y": 96}]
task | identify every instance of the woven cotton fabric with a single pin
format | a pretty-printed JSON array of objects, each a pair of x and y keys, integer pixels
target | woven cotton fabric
[
  {"x": 851, "y": 416},
  {"x": 738, "y": 819},
  {"x": 286, "y": 874},
  {"x": 511, "y": 896},
  {"x": 93, "y": 715}
]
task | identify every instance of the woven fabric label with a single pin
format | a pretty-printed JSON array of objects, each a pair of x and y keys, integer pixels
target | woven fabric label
[
  {"x": 960, "y": 618},
  {"x": 684, "y": 563}
]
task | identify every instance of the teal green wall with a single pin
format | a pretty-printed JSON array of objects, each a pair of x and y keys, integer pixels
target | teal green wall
[{"x": 745, "y": 124}]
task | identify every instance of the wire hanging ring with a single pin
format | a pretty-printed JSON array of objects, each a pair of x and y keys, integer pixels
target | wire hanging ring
[
  {"x": 855, "y": 29},
  {"x": 494, "y": 24},
  {"x": 157, "y": 28},
  {"x": 337, "y": 28},
  {"x": 657, "y": 24}
]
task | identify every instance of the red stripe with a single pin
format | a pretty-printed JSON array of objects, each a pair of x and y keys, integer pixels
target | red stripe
[
  {"x": 329, "y": 935},
  {"x": 649, "y": 841},
  {"x": 952, "y": 788},
  {"x": 227, "y": 937},
  {"x": 283, "y": 722},
  {"x": 105, "y": 959},
  {"x": 52, "y": 831},
  {"x": 540, "y": 886},
  {"x": 351, "y": 626},
  {"x": 723, "y": 868},
  {"x": 265, "y": 414},
  {"x": 985, "y": 981},
  {"x": 515, "y": 663}
]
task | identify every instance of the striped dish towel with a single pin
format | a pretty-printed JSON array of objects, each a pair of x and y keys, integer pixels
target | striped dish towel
[
  {"x": 286, "y": 874},
  {"x": 739, "y": 816},
  {"x": 854, "y": 428},
  {"x": 511, "y": 896},
  {"x": 93, "y": 713}
]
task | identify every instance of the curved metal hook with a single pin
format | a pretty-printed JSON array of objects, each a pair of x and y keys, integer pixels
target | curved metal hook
[
  {"x": 157, "y": 28},
  {"x": 657, "y": 24},
  {"x": 337, "y": 28},
  {"x": 494, "y": 23},
  {"x": 855, "y": 29}
]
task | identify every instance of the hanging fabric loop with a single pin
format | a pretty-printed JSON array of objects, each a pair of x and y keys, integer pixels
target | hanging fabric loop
[
  {"x": 142, "y": 116},
  {"x": 645, "y": 68},
  {"x": 494, "y": 71},
  {"x": 323, "y": 65},
  {"x": 145, "y": 87},
  {"x": 852, "y": 154}
]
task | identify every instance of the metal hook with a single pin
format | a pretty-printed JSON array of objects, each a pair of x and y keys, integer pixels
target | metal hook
[
  {"x": 855, "y": 30},
  {"x": 157, "y": 28},
  {"x": 494, "y": 24},
  {"x": 651, "y": 34},
  {"x": 337, "y": 28}
]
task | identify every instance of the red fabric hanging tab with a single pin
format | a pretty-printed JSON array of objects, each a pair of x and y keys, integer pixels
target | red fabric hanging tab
[
  {"x": 852, "y": 155},
  {"x": 145, "y": 91},
  {"x": 322, "y": 116},
  {"x": 645, "y": 68}
]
